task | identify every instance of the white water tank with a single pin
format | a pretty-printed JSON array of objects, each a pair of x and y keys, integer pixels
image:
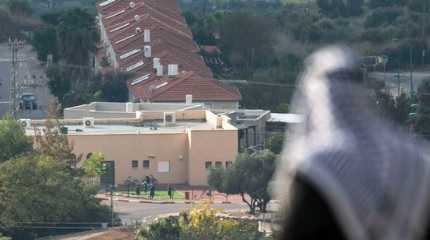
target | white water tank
[
  {"x": 146, "y": 36},
  {"x": 188, "y": 99},
  {"x": 147, "y": 51},
  {"x": 159, "y": 71},
  {"x": 156, "y": 62}
]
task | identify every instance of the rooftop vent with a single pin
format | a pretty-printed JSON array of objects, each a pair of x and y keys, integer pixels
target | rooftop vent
[
  {"x": 137, "y": 18},
  {"x": 147, "y": 36},
  {"x": 132, "y": 4},
  {"x": 138, "y": 30},
  {"x": 219, "y": 122}
]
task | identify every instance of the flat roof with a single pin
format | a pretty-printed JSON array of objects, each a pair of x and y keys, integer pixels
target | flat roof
[
  {"x": 286, "y": 118},
  {"x": 104, "y": 129}
]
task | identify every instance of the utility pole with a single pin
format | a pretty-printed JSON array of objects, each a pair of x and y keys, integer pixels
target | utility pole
[
  {"x": 111, "y": 206},
  {"x": 14, "y": 45}
]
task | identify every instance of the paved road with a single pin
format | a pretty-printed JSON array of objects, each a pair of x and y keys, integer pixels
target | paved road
[
  {"x": 31, "y": 79},
  {"x": 131, "y": 212}
]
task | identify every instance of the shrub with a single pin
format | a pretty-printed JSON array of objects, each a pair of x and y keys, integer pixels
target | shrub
[{"x": 198, "y": 224}]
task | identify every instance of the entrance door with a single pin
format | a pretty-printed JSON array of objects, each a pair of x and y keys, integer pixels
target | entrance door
[{"x": 108, "y": 178}]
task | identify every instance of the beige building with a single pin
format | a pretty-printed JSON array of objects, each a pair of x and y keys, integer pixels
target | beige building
[{"x": 176, "y": 146}]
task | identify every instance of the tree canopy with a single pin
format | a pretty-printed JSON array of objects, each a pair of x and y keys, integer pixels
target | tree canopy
[
  {"x": 249, "y": 176},
  {"x": 13, "y": 140},
  {"x": 42, "y": 184}
]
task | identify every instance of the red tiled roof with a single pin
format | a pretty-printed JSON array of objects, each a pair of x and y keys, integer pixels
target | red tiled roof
[
  {"x": 171, "y": 41},
  {"x": 176, "y": 88}
]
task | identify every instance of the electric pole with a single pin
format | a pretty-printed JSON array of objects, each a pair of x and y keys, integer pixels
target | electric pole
[{"x": 14, "y": 45}]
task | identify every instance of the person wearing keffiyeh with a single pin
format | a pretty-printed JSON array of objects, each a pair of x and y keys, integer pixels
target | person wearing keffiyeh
[{"x": 345, "y": 173}]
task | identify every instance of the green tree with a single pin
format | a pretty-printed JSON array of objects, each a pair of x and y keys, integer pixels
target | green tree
[
  {"x": 249, "y": 176},
  {"x": 59, "y": 82},
  {"x": 93, "y": 166},
  {"x": 50, "y": 142},
  {"x": 13, "y": 141},
  {"x": 38, "y": 188},
  {"x": 77, "y": 36},
  {"x": 112, "y": 86},
  {"x": 275, "y": 143},
  {"x": 422, "y": 123},
  {"x": 247, "y": 40},
  {"x": 4, "y": 238},
  {"x": 19, "y": 7},
  {"x": 45, "y": 42}
]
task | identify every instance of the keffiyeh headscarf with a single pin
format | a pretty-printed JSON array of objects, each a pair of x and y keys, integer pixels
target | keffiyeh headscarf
[{"x": 374, "y": 177}]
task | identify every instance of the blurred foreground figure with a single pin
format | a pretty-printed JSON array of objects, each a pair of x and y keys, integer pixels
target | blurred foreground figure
[{"x": 345, "y": 174}]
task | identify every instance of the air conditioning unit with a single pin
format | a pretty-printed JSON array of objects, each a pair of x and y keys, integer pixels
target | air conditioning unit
[
  {"x": 25, "y": 123},
  {"x": 169, "y": 118},
  {"x": 88, "y": 122}
]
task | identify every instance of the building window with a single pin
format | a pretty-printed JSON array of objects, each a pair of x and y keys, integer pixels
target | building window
[
  {"x": 146, "y": 164},
  {"x": 134, "y": 164},
  {"x": 163, "y": 167},
  {"x": 218, "y": 164},
  {"x": 228, "y": 164},
  {"x": 208, "y": 165}
]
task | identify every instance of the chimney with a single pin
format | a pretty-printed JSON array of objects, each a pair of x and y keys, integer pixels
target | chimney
[
  {"x": 159, "y": 70},
  {"x": 156, "y": 62},
  {"x": 146, "y": 36},
  {"x": 172, "y": 70},
  {"x": 188, "y": 99},
  {"x": 147, "y": 51}
]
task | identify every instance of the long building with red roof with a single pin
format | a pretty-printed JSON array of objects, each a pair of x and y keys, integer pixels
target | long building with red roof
[{"x": 150, "y": 40}]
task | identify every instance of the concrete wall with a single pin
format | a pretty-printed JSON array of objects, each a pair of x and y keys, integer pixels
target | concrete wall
[
  {"x": 118, "y": 110},
  {"x": 124, "y": 148},
  {"x": 187, "y": 153},
  {"x": 209, "y": 145}
]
